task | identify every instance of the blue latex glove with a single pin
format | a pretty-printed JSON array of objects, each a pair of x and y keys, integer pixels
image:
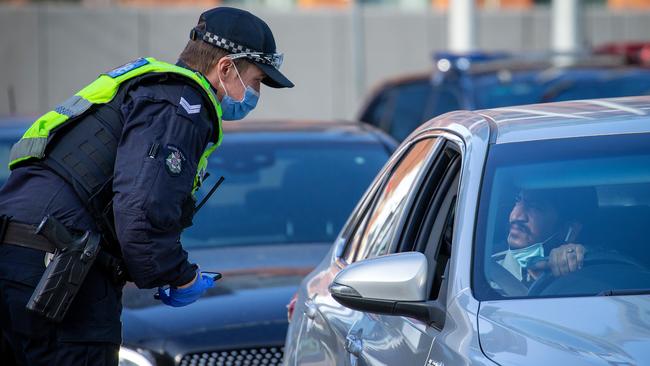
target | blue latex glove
[{"x": 178, "y": 297}]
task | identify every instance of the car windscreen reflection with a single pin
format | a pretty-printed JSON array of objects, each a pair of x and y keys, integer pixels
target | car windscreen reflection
[{"x": 277, "y": 192}]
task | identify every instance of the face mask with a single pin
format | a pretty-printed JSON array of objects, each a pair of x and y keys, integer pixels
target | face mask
[
  {"x": 524, "y": 255},
  {"x": 233, "y": 110}
]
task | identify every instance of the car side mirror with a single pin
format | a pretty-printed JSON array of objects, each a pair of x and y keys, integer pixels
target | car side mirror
[{"x": 394, "y": 284}]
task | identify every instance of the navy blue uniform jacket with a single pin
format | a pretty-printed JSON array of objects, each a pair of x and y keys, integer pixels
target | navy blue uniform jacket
[{"x": 148, "y": 190}]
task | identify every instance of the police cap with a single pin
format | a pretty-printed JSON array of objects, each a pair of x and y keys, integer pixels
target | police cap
[{"x": 243, "y": 35}]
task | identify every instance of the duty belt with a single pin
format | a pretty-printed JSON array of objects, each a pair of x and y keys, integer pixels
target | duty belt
[{"x": 24, "y": 235}]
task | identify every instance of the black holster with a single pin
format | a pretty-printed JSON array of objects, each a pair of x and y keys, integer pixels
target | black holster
[{"x": 66, "y": 272}]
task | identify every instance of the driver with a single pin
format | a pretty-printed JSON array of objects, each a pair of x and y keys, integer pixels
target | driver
[{"x": 543, "y": 227}]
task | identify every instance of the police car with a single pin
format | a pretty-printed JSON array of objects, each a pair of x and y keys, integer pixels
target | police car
[{"x": 489, "y": 80}]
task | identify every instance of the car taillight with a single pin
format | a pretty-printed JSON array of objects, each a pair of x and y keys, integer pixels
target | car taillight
[{"x": 291, "y": 306}]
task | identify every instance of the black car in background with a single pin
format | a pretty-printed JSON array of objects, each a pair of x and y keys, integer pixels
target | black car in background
[
  {"x": 288, "y": 189},
  {"x": 490, "y": 80}
]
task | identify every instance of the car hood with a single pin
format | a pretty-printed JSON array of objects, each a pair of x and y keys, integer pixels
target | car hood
[
  {"x": 248, "y": 306},
  {"x": 567, "y": 331}
]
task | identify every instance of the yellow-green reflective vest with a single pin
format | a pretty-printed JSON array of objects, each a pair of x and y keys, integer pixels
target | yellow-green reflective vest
[{"x": 32, "y": 145}]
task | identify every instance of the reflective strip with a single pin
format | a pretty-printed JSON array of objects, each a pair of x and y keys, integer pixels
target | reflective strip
[
  {"x": 74, "y": 106},
  {"x": 103, "y": 90},
  {"x": 27, "y": 148},
  {"x": 43, "y": 125}
]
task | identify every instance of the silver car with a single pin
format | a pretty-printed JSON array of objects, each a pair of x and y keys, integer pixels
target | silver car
[{"x": 512, "y": 236}]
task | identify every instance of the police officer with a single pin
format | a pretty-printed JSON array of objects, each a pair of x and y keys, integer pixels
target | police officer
[{"x": 123, "y": 157}]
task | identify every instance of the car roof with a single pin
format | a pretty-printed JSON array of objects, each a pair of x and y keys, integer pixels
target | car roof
[
  {"x": 513, "y": 64},
  {"x": 579, "y": 118},
  {"x": 597, "y": 64}
]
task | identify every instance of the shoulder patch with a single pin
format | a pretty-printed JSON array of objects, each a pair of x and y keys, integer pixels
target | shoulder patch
[
  {"x": 189, "y": 108},
  {"x": 190, "y": 104},
  {"x": 119, "y": 71}
]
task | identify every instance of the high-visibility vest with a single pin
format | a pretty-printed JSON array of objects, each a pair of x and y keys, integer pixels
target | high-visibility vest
[{"x": 33, "y": 144}]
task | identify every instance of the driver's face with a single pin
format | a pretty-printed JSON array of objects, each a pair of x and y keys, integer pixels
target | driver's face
[{"x": 531, "y": 221}]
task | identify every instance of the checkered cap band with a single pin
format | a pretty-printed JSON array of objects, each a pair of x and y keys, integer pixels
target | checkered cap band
[
  {"x": 273, "y": 59},
  {"x": 227, "y": 45}
]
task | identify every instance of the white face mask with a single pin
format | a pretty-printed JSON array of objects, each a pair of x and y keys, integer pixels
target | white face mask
[
  {"x": 524, "y": 255},
  {"x": 516, "y": 259}
]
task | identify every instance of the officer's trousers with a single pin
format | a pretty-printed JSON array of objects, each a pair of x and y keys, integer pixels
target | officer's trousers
[{"x": 89, "y": 334}]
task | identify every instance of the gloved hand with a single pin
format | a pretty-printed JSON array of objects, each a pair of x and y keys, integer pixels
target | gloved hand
[{"x": 178, "y": 297}]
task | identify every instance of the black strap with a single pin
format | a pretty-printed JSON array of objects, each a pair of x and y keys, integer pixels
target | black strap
[
  {"x": 25, "y": 236},
  {"x": 207, "y": 196},
  {"x": 4, "y": 221}
]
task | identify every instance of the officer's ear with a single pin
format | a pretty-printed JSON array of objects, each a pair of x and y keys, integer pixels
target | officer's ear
[
  {"x": 225, "y": 68},
  {"x": 222, "y": 71}
]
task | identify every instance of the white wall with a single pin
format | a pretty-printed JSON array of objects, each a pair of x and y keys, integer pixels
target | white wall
[{"x": 48, "y": 52}]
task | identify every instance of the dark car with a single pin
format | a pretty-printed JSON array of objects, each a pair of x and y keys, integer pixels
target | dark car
[
  {"x": 477, "y": 81},
  {"x": 288, "y": 189}
]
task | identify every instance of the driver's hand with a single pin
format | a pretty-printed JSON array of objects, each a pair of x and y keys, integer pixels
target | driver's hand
[{"x": 566, "y": 258}]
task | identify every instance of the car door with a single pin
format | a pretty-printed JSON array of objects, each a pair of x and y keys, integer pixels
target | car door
[
  {"x": 371, "y": 231},
  {"x": 428, "y": 228}
]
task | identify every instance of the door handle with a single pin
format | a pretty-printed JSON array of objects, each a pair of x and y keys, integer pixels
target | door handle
[
  {"x": 354, "y": 345},
  {"x": 310, "y": 309}
]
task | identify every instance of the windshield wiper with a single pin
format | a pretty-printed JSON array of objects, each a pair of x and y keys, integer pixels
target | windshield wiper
[{"x": 624, "y": 292}]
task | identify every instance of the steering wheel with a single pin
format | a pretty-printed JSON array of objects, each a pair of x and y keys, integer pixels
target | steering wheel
[
  {"x": 547, "y": 278},
  {"x": 508, "y": 283}
]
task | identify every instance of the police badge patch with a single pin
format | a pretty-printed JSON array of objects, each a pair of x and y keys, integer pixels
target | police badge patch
[{"x": 174, "y": 160}]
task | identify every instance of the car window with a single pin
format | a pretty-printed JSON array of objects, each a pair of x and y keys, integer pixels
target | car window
[
  {"x": 401, "y": 108},
  {"x": 375, "y": 111},
  {"x": 382, "y": 222},
  {"x": 564, "y": 217},
  {"x": 629, "y": 84},
  {"x": 352, "y": 246},
  {"x": 507, "y": 88},
  {"x": 404, "y": 101},
  {"x": 429, "y": 229},
  {"x": 407, "y": 109},
  {"x": 284, "y": 191}
]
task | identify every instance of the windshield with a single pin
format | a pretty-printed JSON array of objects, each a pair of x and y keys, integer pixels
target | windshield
[
  {"x": 564, "y": 218},
  {"x": 283, "y": 191}
]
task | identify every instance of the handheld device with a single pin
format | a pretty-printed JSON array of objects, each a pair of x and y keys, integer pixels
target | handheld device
[{"x": 216, "y": 276}]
